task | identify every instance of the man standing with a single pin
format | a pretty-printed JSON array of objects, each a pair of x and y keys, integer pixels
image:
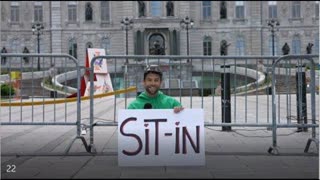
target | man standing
[{"x": 152, "y": 98}]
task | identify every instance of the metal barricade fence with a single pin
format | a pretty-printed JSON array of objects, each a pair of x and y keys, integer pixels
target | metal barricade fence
[
  {"x": 233, "y": 91},
  {"x": 243, "y": 98},
  {"x": 299, "y": 106},
  {"x": 40, "y": 99}
]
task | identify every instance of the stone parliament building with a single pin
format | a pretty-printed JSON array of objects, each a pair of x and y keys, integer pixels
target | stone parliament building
[{"x": 72, "y": 26}]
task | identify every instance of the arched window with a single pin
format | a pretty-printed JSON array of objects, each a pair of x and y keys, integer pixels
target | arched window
[
  {"x": 89, "y": 45},
  {"x": 105, "y": 11},
  {"x": 106, "y": 45},
  {"x": 207, "y": 46},
  {"x": 240, "y": 46},
  {"x": 72, "y": 46},
  {"x": 296, "y": 45},
  {"x": 89, "y": 11}
]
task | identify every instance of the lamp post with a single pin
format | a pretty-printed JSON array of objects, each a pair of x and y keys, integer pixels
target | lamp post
[
  {"x": 186, "y": 22},
  {"x": 37, "y": 29},
  {"x": 273, "y": 23},
  {"x": 126, "y": 25}
]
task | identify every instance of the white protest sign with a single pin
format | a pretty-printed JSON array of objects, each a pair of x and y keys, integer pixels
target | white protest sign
[
  {"x": 100, "y": 65},
  {"x": 158, "y": 137},
  {"x": 103, "y": 83}
]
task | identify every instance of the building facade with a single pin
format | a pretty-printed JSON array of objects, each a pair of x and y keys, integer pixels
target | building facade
[{"x": 156, "y": 27}]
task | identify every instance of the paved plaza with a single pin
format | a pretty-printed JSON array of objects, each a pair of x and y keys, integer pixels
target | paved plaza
[{"x": 32, "y": 152}]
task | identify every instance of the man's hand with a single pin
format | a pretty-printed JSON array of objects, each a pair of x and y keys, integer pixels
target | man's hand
[{"x": 177, "y": 109}]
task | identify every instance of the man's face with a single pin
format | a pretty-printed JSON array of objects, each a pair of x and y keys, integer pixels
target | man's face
[{"x": 152, "y": 84}]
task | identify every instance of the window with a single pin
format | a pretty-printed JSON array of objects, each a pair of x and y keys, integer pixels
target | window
[
  {"x": 317, "y": 9},
  {"x": 88, "y": 15},
  {"x": 206, "y": 7},
  {"x": 72, "y": 12},
  {"x": 240, "y": 46},
  {"x": 316, "y": 45},
  {"x": 272, "y": 9},
  {"x": 105, "y": 44},
  {"x": 240, "y": 9},
  {"x": 73, "y": 48},
  {"x": 105, "y": 12},
  {"x": 156, "y": 8},
  {"x": 296, "y": 45},
  {"x": 296, "y": 9},
  {"x": 15, "y": 46},
  {"x": 38, "y": 12},
  {"x": 275, "y": 46},
  {"x": 15, "y": 12},
  {"x": 207, "y": 46}
]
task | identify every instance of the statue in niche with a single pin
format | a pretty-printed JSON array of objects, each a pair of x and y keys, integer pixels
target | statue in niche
[
  {"x": 224, "y": 48},
  {"x": 88, "y": 12},
  {"x": 157, "y": 49},
  {"x": 142, "y": 7},
  {"x": 170, "y": 8},
  {"x": 309, "y": 48},
  {"x": 25, "y": 58},
  {"x": 223, "y": 10},
  {"x": 3, "y": 59},
  {"x": 285, "y": 49}
]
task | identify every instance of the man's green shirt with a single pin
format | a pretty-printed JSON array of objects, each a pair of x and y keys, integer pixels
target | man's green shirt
[{"x": 160, "y": 101}]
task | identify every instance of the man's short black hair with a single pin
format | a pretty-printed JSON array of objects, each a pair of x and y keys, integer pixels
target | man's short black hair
[{"x": 152, "y": 69}]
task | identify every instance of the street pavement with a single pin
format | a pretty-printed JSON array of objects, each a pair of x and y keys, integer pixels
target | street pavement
[{"x": 38, "y": 152}]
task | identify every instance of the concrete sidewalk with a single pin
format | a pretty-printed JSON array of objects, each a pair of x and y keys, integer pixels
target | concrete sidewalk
[{"x": 241, "y": 153}]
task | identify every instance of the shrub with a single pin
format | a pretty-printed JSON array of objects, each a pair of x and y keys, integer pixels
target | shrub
[{"x": 7, "y": 90}]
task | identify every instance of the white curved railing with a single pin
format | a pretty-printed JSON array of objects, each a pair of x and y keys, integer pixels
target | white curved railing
[{"x": 60, "y": 78}]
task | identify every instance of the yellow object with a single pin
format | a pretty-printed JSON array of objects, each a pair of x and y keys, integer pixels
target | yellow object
[
  {"x": 66, "y": 100},
  {"x": 15, "y": 75}
]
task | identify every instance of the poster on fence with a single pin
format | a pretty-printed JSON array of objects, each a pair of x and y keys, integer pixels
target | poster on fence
[
  {"x": 103, "y": 82},
  {"x": 100, "y": 65},
  {"x": 158, "y": 137}
]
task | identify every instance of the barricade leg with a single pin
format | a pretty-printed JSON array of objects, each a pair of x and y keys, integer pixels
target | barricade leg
[
  {"x": 301, "y": 97},
  {"x": 225, "y": 98}
]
